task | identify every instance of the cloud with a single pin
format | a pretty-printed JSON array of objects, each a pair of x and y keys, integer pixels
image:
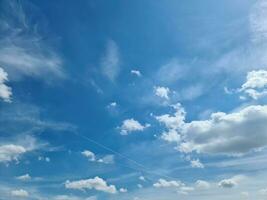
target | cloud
[
  {"x": 5, "y": 91},
  {"x": 162, "y": 183},
  {"x": 131, "y": 125},
  {"x": 25, "y": 177},
  {"x": 136, "y": 72},
  {"x": 71, "y": 197},
  {"x": 162, "y": 92},
  {"x": 10, "y": 152},
  {"x": 230, "y": 183},
  {"x": 196, "y": 164},
  {"x": 235, "y": 133},
  {"x": 34, "y": 57},
  {"x": 123, "y": 190},
  {"x": 111, "y": 61},
  {"x": 203, "y": 185},
  {"x": 19, "y": 193},
  {"x": 95, "y": 183},
  {"x": 107, "y": 159},
  {"x": 256, "y": 84},
  {"x": 142, "y": 178},
  {"x": 89, "y": 154}
]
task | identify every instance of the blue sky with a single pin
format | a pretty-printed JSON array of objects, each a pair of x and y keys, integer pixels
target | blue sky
[{"x": 133, "y": 100}]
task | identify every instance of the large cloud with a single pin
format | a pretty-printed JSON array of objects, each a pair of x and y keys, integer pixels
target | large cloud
[{"x": 234, "y": 133}]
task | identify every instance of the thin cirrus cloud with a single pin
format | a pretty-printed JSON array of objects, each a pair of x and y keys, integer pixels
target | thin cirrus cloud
[
  {"x": 110, "y": 62},
  {"x": 34, "y": 57}
]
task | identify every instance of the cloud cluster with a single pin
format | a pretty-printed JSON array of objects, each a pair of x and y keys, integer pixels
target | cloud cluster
[
  {"x": 94, "y": 183},
  {"x": 162, "y": 92},
  {"x": 234, "y": 133}
]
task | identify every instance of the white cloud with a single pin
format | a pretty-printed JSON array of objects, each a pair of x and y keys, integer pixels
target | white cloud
[
  {"x": 113, "y": 104},
  {"x": 203, "y": 185},
  {"x": 232, "y": 182},
  {"x": 46, "y": 159},
  {"x": 71, "y": 197},
  {"x": 94, "y": 183},
  {"x": 256, "y": 84},
  {"x": 234, "y": 134},
  {"x": 162, "y": 92},
  {"x": 263, "y": 191},
  {"x": 142, "y": 178},
  {"x": 5, "y": 91},
  {"x": 89, "y": 154},
  {"x": 131, "y": 125},
  {"x": 107, "y": 159},
  {"x": 111, "y": 61},
  {"x": 25, "y": 177},
  {"x": 171, "y": 136},
  {"x": 19, "y": 193},
  {"x": 123, "y": 190},
  {"x": 136, "y": 72},
  {"x": 196, "y": 164},
  {"x": 162, "y": 183},
  {"x": 10, "y": 152}
]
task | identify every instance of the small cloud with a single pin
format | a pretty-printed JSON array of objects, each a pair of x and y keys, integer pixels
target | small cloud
[
  {"x": 113, "y": 104},
  {"x": 162, "y": 92},
  {"x": 131, "y": 125},
  {"x": 142, "y": 178},
  {"x": 25, "y": 177},
  {"x": 196, "y": 164},
  {"x": 46, "y": 159},
  {"x": 136, "y": 72},
  {"x": 19, "y": 193},
  {"x": 123, "y": 190},
  {"x": 5, "y": 91},
  {"x": 203, "y": 185},
  {"x": 230, "y": 183}
]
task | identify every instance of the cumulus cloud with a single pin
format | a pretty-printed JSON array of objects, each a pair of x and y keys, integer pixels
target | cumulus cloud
[
  {"x": 123, "y": 190},
  {"x": 25, "y": 177},
  {"x": 235, "y": 133},
  {"x": 162, "y": 183},
  {"x": 94, "y": 183},
  {"x": 89, "y": 154},
  {"x": 19, "y": 193},
  {"x": 256, "y": 84},
  {"x": 111, "y": 61},
  {"x": 5, "y": 91},
  {"x": 162, "y": 92},
  {"x": 232, "y": 182},
  {"x": 142, "y": 178},
  {"x": 132, "y": 125},
  {"x": 203, "y": 185},
  {"x": 10, "y": 152},
  {"x": 136, "y": 72}
]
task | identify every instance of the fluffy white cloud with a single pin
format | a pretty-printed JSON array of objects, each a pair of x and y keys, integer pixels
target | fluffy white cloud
[
  {"x": 123, "y": 190},
  {"x": 142, "y": 178},
  {"x": 232, "y": 182},
  {"x": 89, "y": 154},
  {"x": 19, "y": 193},
  {"x": 162, "y": 183},
  {"x": 162, "y": 92},
  {"x": 196, "y": 164},
  {"x": 203, "y": 185},
  {"x": 108, "y": 159},
  {"x": 256, "y": 84},
  {"x": 5, "y": 91},
  {"x": 136, "y": 72},
  {"x": 24, "y": 177},
  {"x": 10, "y": 152},
  {"x": 131, "y": 125},
  {"x": 234, "y": 133},
  {"x": 94, "y": 183},
  {"x": 111, "y": 61}
]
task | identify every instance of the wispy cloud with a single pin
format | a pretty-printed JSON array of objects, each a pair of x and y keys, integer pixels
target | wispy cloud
[
  {"x": 23, "y": 51},
  {"x": 110, "y": 63}
]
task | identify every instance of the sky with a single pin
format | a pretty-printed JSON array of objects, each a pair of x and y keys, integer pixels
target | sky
[{"x": 133, "y": 100}]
